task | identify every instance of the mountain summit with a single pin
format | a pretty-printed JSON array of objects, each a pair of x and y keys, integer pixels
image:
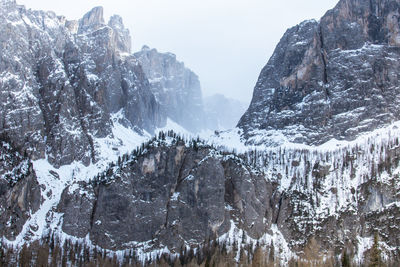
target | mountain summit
[
  {"x": 175, "y": 87},
  {"x": 61, "y": 80},
  {"x": 336, "y": 78},
  {"x": 82, "y": 180}
]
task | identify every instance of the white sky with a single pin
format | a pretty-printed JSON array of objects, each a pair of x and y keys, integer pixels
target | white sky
[{"x": 225, "y": 42}]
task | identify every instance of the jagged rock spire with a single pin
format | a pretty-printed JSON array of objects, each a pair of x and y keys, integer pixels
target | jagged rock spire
[
  {"x": 92, "y": 20},
  {"x": 122, "y": 37}
]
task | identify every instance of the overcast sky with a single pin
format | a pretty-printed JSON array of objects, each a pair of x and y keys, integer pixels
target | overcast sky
[{"x": 225, "y": 42}]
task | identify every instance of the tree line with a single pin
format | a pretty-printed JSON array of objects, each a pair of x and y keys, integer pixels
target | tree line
[{"x": 50, "y": 251}]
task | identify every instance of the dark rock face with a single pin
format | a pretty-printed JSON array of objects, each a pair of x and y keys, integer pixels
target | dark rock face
[
  {"x": 170, "y": 196},
  {"x": 177, "y": 194},
  {"x": 19, "y": 191},
  {"x": 333, "y": 79},
  {"x": 175, "y": 87},
  {"x": 60, "y": 81}
]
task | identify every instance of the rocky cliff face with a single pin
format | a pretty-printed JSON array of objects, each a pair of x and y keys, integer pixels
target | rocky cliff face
[
  {"x": 335, "y": 78},
  {"x": 19, "y": 190},
  {"x": 172, "y": 194},
  {"x": 175, "y": 87},
  {"x": 60, "y": 80},
  {"x": 68, "y": 90}
]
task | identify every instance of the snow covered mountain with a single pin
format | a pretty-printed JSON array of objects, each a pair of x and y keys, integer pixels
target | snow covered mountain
[
  {"x": 79, "y": 165},
  {"x": 175, "y": 87},
  {"x": 61, "y": 81},
  {"x": 336, "y": 78}
]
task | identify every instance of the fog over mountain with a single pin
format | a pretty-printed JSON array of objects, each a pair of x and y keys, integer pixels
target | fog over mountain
[
  {"x": 110, "y": 157},
  {"x": 222, "y": 113},
  {"x": 225, "y": 32}
]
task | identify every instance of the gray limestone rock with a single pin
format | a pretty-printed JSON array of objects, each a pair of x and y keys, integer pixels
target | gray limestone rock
[
  {"x": 336, "y": 78},
  {"x": 169, "y": 196},
  {"x": 175, "y": 87},
  {"x": 176, "y": 194},
  {"x": 92, "y": 20},
  {"x": 20, "y": 194},
  {"x": 61, "y": 80}
]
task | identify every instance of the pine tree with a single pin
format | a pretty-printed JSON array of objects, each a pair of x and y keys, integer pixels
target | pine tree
[
  {"x": 195, "y": 146},
  {"x": 375, "y": 257},
  {"x": 9, "y": 255},
  {"x": 177, "y": 263},
  {"x": 258, "y": 258},
  {"x": 64, "y": 258},
  {"x": 345, "y": 259},
  {"x": 271, "y": 257},
  {"x": 25, "y": 256},
  {"x": 55, "y": 254},
  {"x": 43, "y": 255},
  {"x": 2, "y": 255},
  {"x": 243, "y": 258},
  {"x": 86, "y": 254}
]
